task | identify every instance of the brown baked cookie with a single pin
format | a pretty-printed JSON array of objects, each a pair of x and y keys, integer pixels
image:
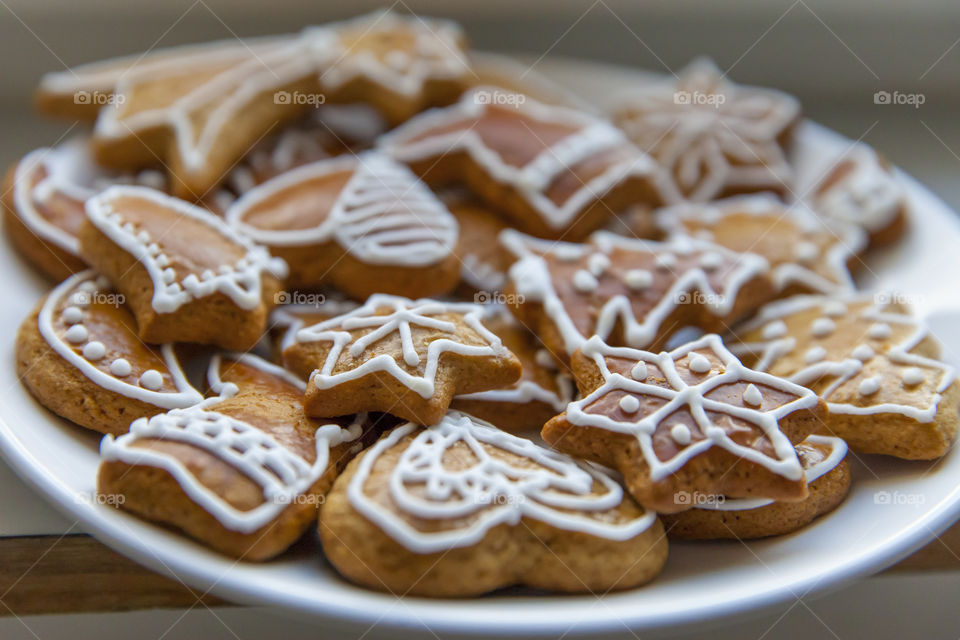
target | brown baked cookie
[
  {"x": 461, "y": 508},
  {"x": 79, "y": 355},
  {"x": 805, "y": 255},
  {"x": 553, "y": 171},
  {"x": 244, "y": 473},
  {"x": 186, "y": 275},
  {"x": 541, "y": 392},
  {"x": 483, "y": 261},
  {"x": 690, "y": 422},
  {"x": 628, "y": 291},
  {"x": 363, "y": 223},
  {"x": 399, "y": 356},
  {"x": 827, "y": 473},
  {"x": 287, "y": 319},
  {"x": 713, "y": 138},
  {"x": 875, "y": 365}
]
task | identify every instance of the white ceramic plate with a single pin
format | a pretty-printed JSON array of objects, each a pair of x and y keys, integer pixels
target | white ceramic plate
[{"x": 701, "y": 583}]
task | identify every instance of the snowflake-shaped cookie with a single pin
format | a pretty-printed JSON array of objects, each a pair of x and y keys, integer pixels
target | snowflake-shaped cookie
[{"x": 714, "y": 138}]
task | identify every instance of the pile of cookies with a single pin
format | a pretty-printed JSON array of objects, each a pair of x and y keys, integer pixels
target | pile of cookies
[{"x": 471, "y": 331}]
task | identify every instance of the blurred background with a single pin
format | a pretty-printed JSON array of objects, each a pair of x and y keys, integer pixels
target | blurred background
[{"x": 833, "y": 54}]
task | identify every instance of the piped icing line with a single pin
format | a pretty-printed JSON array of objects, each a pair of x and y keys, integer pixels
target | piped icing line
[
  {"x": 226, "y": 390},
  {"x": 680, "y": 395},
  {"x": 490, "y": 493},
  {"x": 404, "y": 316},
  {"x": 281, "y": 474},
  {"x": 384, "y": 214},
  {"x": 838, "y": 451},
  {"x": 593, "y": 136},
  {"x": 240, "y": 282},
  {"x": 849, "y": 240},
  {"x": 288, "y": 318},
  {"x": 438, "y": 44},
  {"x": 184, "y": 396},
  {"x": 531, "y": 277},
  {"x": 524, "y": 392},
  {"x": 846, "y": 368}
]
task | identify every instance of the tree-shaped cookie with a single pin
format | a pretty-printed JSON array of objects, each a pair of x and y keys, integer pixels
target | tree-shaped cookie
[
  {"x": 714, "y": 138},
  {"x": 363, "y": 223},
  {"x": 461, "y": 508},
  {"x": 399, "y": 356},
  {"x": 553, "y": 171},
  {"x": 186, "y": 275},
  {"x": 875, "y": 365},
  {"x": 628, "y": 291},
  {"x": 687, "y": 425}
]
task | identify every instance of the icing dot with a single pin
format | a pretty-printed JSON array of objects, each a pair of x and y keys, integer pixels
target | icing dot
[
  {"x": 639, "y": 371},
  {"x": 863, "y": 353},
  {"x": 169, "y": 275},
  {"x": 94, "y": 350},
  {"x": 698, "y": 363},
  {"x": 880, "y": 331},
  {"x": 815, "y": 354},
  {"x": 666, "y": 261},
  {"x": 72, "y": 315},
  {"x": 543, "y": 358},
  {"x": 162, "y": 259},
  {"x": 835, "y": 308},
  {"x": 711, "y": 261},
  {"x": 716, "y": 434},
  {"x": 752, "y": 395},
  {"x": 225, "y": 269},
  {"x": 76, "y": 334},
  {"x": 151, "y": 379},
  {"x": 143, "y": 236},
  {"x": 637, "y": 279},
  {"x": 567, "y": 253},
  {"x": 120, "y": 368},
  {"x": 598, "y": 263},
  {"x": 806, "y": 252},
  {"x": 680, "y": 433},
  {"x": 822, "y": 327},
  {"x": 870, "y": 386},
  {"x": 912, "y": 376},
  {"x": 207, "y": 275},
  {"x": 629, "y": 404},
  {"x": 584, "y": 281},
  {"x": 775, "y": 329}
]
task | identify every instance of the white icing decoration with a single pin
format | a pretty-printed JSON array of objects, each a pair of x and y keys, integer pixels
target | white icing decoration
[
  {"x": 94, "y": 350},
  {"x": 629, "y": 404},
  {"x": 863, "y": 353},
  {"x": 752, "y": 395},
  {"x": 72, "y": 315},
  {"x": 814, "y": 354},
  {"x": 184, "y": 396},
  {"x": 776, "y": 329},
  {"x": 405, "y": 315},
  {"x": 383, "y": 215},
  {"x": 680, "y": 434},
  {"x": 151, "y": 379},
  {"x": 289, "y": 317},
  {"x": 639, "y": 371},
  {"x": 584, "y": 282},
  {"x": 698, "y": 363},
  {"x": 679, "y": 395},
  {"x": 241, "y": 285},
  {"x": 409, "y": 143},
  {"x": 76, "y": 334},
  {"x": 912, "y": 376},
  {"x": 880, "y": 331},
  {"x": 638, "y": 279},
  {"x": 531, "y": 277},
  {"x": 869, "y": 386},
  {"x": 806, "y": 252},
  {"x": 120, "y": 368},
  {"x": 544, "y": 359},
  {"x": 598, "y": 263},
  {"x": 711, "y": 261},
  {"x": 835, "y": 308},
  {"x": 823, "y": 327},
  {"x": 665, "y": 261},
  {"x": 492, "y": 492},
  {"x": 281, "y": 474},
  {"x": 229, "y": 389}
]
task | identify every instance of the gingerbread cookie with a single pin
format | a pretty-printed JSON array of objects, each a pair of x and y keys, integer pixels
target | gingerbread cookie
[
  {"x": 79, "y": 355},
  {"x": 287, "y": 320},
  {"x": 483, "y": 261},
  {"x": 244, "y": 473},
  {"x": 805, "y": 255},
  {"x": 860, "y": 188},
  {"x": 541, "y": 392},
  {"x": 828, "y": 478},
  {"x": 874, "y": 364},
  {"x": 687, "y": 424},
  {"x": 461, "y": 508},
  {"x": 363, "y": 223},
  {"x": 43, "y": 200},
  {"x": 398, "y": 63},
  {"x": 399, "y": 356},
  {"x": 554, "y": 171},
  {"x": 186, "y": 275},
  {"x": 629, "y": 291},
  {"x": 714, "y": 138}
]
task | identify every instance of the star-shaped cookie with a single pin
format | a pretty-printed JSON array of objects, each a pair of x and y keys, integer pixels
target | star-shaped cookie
[
  {"x": 688, "y": 424},
  {"x": 399, "y": 356}
]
